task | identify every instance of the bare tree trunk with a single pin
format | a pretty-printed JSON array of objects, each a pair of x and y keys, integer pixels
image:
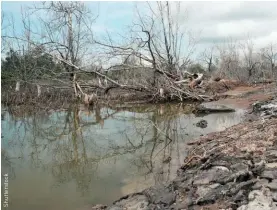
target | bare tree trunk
[
  {"x": 74, "y": 85},
  {"x": 39, "y": 90},
  {"x": 71, "y": 52},
  {"x": 161, "y": 92},
  {"x": 210, "y": 64},
  {"x": 17, "y": 86}
]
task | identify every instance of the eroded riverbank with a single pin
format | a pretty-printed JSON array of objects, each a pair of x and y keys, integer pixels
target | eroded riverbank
[
  {"x": 232, "y": 169},
  {"x": 216, "y": 178}
]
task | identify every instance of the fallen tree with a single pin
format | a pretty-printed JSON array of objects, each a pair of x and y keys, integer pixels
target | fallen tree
[{"x": 170, "y": 91}]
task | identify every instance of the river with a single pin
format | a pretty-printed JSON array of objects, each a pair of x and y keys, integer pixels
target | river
[{"x": 71, "y": 159}]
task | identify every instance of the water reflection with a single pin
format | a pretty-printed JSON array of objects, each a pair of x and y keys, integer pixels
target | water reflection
[{"x": 77, "y": 157}]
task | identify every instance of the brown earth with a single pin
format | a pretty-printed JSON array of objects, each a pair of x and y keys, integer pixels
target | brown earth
[{"x": 243, "y": 96}]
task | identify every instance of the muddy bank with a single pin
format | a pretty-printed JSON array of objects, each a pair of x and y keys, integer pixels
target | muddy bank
[
  {"x": 53, "y": 99},
  {"x": 60, "y": 96},
  {"x": 232, "y": 169}
]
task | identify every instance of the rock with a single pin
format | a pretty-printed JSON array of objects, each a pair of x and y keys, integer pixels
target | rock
[
  {"x": 269, "y": 106},
  {"x": 274, "y": 196},
  {"x": 212, "y": 108},
  {"x": 202, "y": 124},
  {"x": 184, "y": 204},
  {"x": 239, "y": 167},
  {"x": 240, "y": 196},
  {"x": 256, "y": 107},
  {"x": 269, "y": 174},
  {"x": 205, "y": 189},
  {"x": 207, "y": 193},
  {"x": 160, "y": 195},
  {"x": 211, "y": 175},
  {"x": 271, "y": 165},
  {"x": 259, "y": 167},
  {"x": 272, "y": 185},
  {"x": 114, "y": 208},
  {"x": 259, "y": 184},
  {"x": 136, "y": 201},
  {"x": 259, "y": 200},
  {"x": 271, "y": 154},
  {"x": 267, "y": 109},
  {"x": 99, "y": 207}
]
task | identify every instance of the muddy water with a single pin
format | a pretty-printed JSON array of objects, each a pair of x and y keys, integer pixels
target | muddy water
[{"x": 74, "y": 158}]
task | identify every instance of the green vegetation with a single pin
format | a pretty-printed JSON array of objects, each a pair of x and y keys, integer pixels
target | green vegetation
[{"x": 32, "y": 66}]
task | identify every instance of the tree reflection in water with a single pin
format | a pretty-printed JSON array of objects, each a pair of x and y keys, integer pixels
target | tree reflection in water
[{"x": 105, "y": 152}]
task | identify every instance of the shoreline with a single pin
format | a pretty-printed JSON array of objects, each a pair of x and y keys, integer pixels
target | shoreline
[
  {"x": 232, "y": 169},
  {"x": 64, "y": 99}
]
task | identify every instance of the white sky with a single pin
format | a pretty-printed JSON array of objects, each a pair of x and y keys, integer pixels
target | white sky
[{"x": 213, "y": 22}]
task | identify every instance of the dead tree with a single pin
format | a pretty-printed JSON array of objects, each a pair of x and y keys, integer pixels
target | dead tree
[
  {"x": 270, "y": 55},
  {"x": 166, "y": 37},
  {"x": 249, "y": 57},
  {"x": 229, "y": 64},
  {"x": 208, "y": 58},
  {"x": 67, "y": 28},
  {"x": 159, "y": 41}
]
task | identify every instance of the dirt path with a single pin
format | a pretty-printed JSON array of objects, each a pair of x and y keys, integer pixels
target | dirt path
[{"x": 243, "y": 96}]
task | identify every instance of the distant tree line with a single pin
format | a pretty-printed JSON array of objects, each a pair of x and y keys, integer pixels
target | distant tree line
[{"x": 28, "y": 67}]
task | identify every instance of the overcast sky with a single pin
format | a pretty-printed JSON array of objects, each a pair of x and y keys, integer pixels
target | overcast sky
[
  {"x": 239, "y": 20},
  {"x": 214, "y": 22}
]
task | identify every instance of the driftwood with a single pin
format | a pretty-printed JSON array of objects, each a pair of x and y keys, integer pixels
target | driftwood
[
  {"x": 191, "y": 78},
  {"x": 196, "y": 80}
]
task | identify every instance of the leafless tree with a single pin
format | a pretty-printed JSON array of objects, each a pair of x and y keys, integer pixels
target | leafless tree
[
  {"x": 3, "y": 28},
  {"x": 158, "y": 39},
  {"x": 208, "y": 57},
  {"x": 229, "y": 60},
  {"x": 169, "y": 44},
  {"x": 242, "y": 61},
  {"x": 65, "y": 31},
  {"x": 269, "y": 54},
  {"x": 250, "y": 60},
  {"x": 161, "y": 45}
]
